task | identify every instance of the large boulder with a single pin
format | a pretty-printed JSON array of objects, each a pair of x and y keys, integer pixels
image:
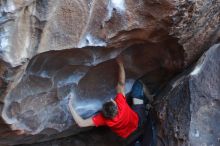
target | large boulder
[
  {"x": 196, "y": 24},
  {"x": 37, "y": 100},
  {"x": 188, "y": 110},
  {"x": 185, "y": 112},
  {"x": 30, "y": 27},
  {"x": 50, "y": 48}
]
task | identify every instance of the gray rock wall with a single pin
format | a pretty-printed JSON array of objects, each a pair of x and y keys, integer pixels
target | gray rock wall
[
  {"x": 50, "y": 48},
  {"x": 188, "y": 109}
]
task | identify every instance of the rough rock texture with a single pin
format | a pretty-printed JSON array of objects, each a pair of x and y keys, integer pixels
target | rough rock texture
[
  {"x": 188, "y": 112},
  {"x": 50, "y": 48},
  {"x": 196, "y": 24},
  {"x": 37, "y": 101},
  {"x": 100, "y": 137},
  {"x": 30, "y": 27},
  {"x": 44, "y": 58}
]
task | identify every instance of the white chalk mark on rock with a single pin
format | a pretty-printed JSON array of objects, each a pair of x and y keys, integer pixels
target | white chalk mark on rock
[
  {"x": 90, "y": 40},
  {"x": 75, "y": 78},
  {"x": 196, "y": 70},
  {"x": 118, "y": 4},
  {"x": 196, "y": 133}
]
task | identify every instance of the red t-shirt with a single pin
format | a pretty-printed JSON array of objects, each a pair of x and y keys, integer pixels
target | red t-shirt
[{"x": 124, "y": 123}]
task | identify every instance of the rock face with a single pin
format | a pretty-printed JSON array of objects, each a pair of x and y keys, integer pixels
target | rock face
[
  {"x": 186, "y": 112},
  {"x": 189, "y": 109},
  {"x": 51, "y": 48},
  {"x": 91, "y": 138},
  {"x": 30, "y": 27},
  {"x": 196, "y": 24}
]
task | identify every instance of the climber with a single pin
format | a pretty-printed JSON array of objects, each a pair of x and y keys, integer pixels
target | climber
[{"x": 116, "y": 113}]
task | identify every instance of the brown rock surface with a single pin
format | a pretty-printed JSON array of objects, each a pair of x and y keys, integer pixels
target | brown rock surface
[
  {"x": 32, "y": 27},
  {"x": 91, "y": 138},
  {"x": 37, "y": 101},
  {"x": 186, "y": 111},
  {"x": 188, "y": 108},
  {"x": 50, "y": 48},
  {"x": 196, "y": 24}
]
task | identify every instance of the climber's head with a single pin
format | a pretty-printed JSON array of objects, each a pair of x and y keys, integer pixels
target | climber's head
[{"x": 109, "y": 109}]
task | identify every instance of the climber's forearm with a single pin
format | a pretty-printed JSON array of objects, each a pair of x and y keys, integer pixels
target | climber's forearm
[
  {"x": 121, "y": 78},
  {"x": 79, "y": 120},
  {"x": 121, "y": 75}
]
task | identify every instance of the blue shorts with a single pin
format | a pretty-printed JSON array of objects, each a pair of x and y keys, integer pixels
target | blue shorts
[{"x": 137, "y": 90}]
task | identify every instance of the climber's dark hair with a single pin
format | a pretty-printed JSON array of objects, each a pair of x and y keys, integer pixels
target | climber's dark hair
[{"x": 109, "y": 110}]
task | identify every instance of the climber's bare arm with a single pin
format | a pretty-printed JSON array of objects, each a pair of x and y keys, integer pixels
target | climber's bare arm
[
  {"x": 78, "y": 119},
  {"x": 121, "y": 77}
]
